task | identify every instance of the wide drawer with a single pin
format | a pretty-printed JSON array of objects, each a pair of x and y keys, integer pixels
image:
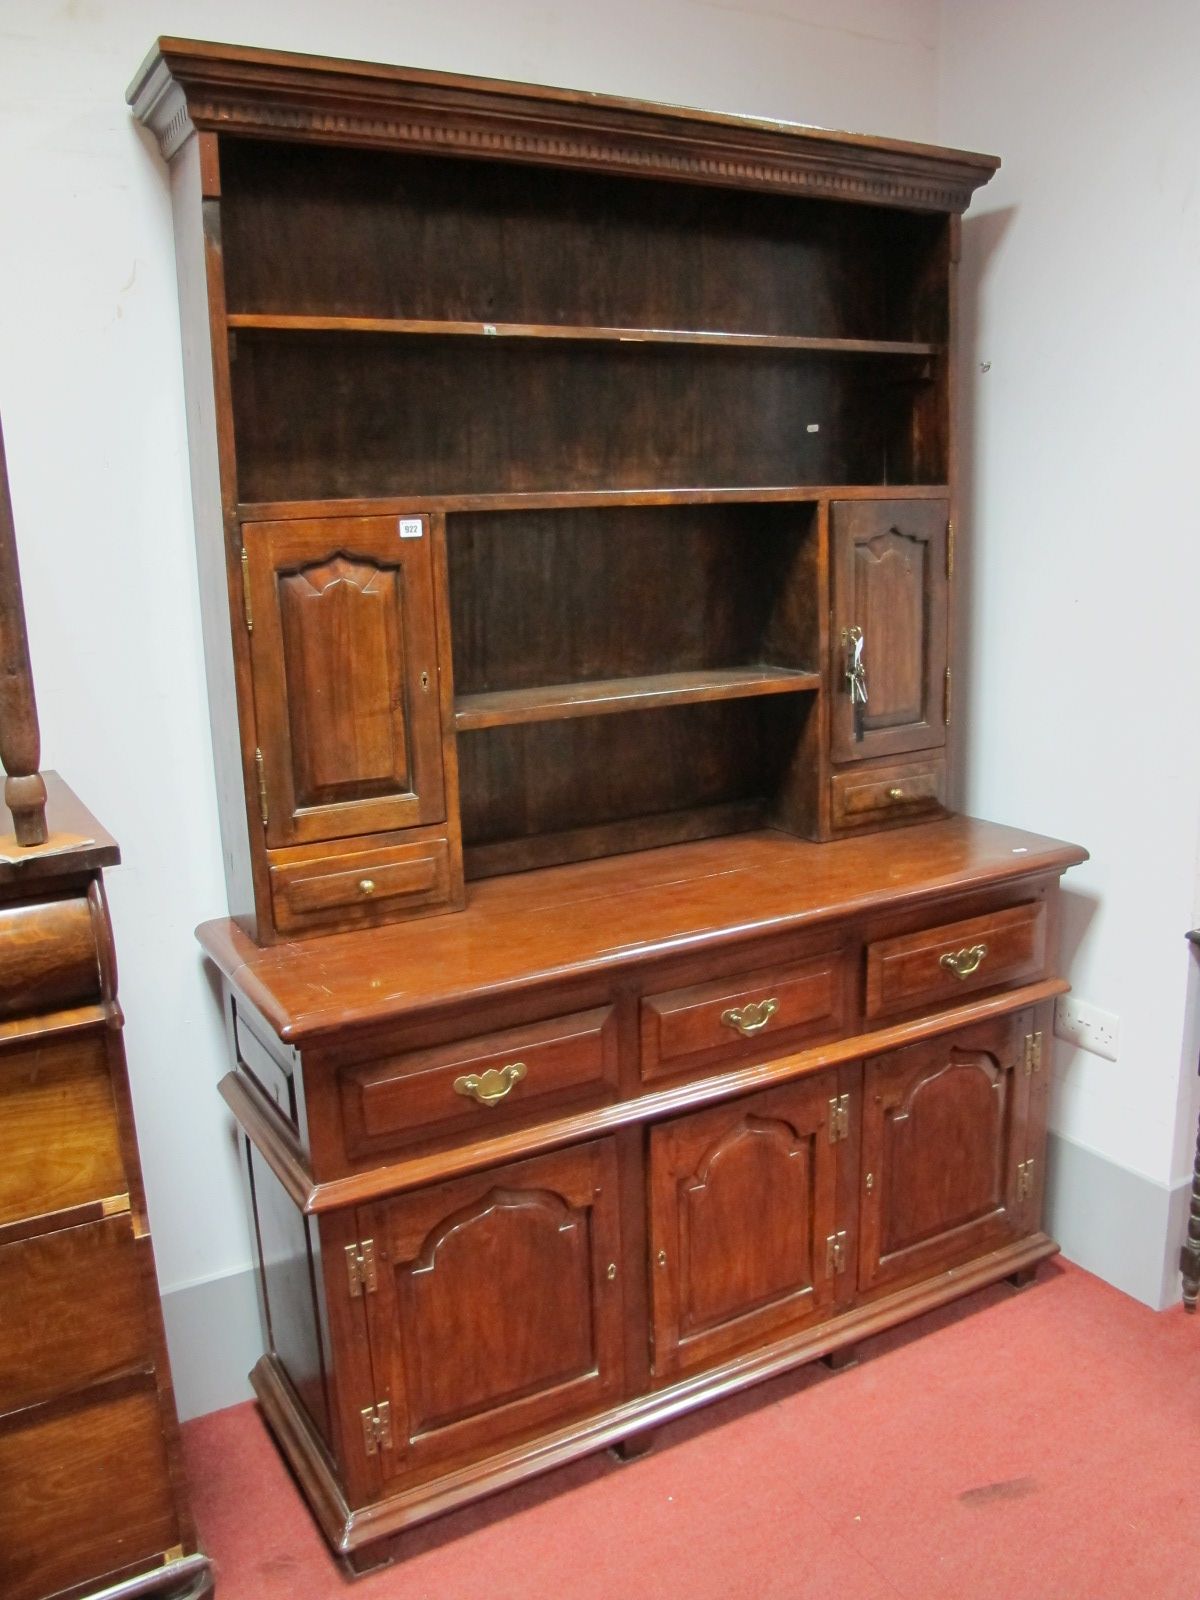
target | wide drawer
[
  {"x": 85, "y": 1491},
  {"x": 956, "y": 958},
  {"x": 481, "y": 1081},
  {"x": 764, "y": 1011},
  {"x": 74, "y": 1311},
  {"x": 359, "y": 887},
  {"x": 59, "y": 1140},
  {"x": 887, "y": 794}
]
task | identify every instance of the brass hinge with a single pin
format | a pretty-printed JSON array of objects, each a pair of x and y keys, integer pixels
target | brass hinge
[
  {"x": 377, "y": 1427},
  {"x": 949, "y": 548},
  {"x": 1033, "y": 1053},
  {"x": 839, "y": 1118},
  {"x": 1024, "y": 1180},
  {"x": 360, "y": 1269},
  {"x": 264, "y": 810},
  {"x": 246, "y": 590},
  {"x": 835, "y": 1254},
  {"x": 948, "y": 698}
]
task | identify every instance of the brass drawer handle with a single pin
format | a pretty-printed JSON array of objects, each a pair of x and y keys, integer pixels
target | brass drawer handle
[
  {"x": 895, "y": 794},
  {"x": 490, "y": 1087},
  {"x": 963, "y": 963},
  {"x": 366, "y": 886},
  {"x": 751, "y": 1018}
]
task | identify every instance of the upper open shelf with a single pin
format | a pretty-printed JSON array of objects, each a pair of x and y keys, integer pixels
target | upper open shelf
[
  {"x": 385, "y": 241},
  {"x": 584, "y": 332}
]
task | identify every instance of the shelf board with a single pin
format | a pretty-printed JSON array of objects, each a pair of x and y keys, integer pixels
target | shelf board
[
  {"x": 568, "y": 499},
  {"x": 278, "y": 323},
  {"x": 600, "y": 696}
]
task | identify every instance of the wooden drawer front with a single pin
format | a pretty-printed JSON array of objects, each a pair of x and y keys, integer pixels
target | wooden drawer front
[
  {"x": 361, "y": 888},
  {"x": 47, "y": 956},
  {"x": 84, "y": 1491},
  {"x": 957, "y": 958},
  {"x": 499, "y": 1306},
  {"x": 699, "y": 1026},
  {"x": 887, "y": 794},
  {"x": 59, "y": 1143},
  {"x": 74, "y": 1311},
  {"x": 480, "y": 1082}
]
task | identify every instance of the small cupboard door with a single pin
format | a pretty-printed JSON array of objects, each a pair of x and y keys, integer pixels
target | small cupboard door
[
  {"x": 343, "y": 650},
  {"x": 499, "y": 1304},
  {"x": 742, "y": 1207},
  {"x": 943, "y": 1152},
  {"x": 890, "y": 584}
]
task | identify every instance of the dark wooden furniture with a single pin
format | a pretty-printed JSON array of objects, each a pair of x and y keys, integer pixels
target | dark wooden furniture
[
  {"x": 91, "y": 1490},
  {"x": 574, "y": 490},
  {"x": 1189, "y": 1255}
]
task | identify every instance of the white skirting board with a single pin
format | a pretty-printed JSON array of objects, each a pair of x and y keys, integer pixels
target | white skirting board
[
  {"x": 1122, "y": 1226},
  {"x": 214, "y": 1336}
]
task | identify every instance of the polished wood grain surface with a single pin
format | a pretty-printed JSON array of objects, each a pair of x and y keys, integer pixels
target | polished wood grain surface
[
  {"x": 97, "y": 1331},
  {"x": 99, "y": 1471},
  {"x": 59, "y": 1141},
  {"x": 518, "y": 932}
]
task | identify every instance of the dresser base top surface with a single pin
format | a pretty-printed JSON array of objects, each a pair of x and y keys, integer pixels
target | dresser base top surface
[{"x": 578, "y": 920}]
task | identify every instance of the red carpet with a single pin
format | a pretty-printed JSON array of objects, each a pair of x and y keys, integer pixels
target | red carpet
[{"x": 1020, "y": 1444}]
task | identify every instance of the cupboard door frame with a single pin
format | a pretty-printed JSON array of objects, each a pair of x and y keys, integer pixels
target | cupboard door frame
[
  {"x": 579, "y": 1187},
  {"x": 891, "y": 1084},
  {"x": 274, "y": 550},
  {"x": 683, "y": 1162},
  {"x": 856, "y": 524}
]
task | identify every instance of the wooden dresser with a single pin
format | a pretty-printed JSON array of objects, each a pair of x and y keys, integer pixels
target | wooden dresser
[
  {"x": 618, "y": 1012},
  {"x": 92, "y": 1497}
]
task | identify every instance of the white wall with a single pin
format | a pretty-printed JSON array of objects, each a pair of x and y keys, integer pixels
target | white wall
[
  {"x": 1080, "y": 270},
  {"x": 91, "y": 398}
]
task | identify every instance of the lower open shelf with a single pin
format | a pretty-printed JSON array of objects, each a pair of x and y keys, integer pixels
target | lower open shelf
[{"x": 553, "y": 702}]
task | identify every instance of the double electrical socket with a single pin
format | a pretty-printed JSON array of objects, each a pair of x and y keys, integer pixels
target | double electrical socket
[{"x": 1086, "y": 1026}]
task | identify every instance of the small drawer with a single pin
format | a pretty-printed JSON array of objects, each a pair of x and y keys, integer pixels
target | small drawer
[
  {"x": 956, "y": 958},
  {"x": 763, "y": 1012},
  {"x": 887, "y": 794},
  {"x": 361, "y": 887},
  {"x": 480, "y": 1082}
]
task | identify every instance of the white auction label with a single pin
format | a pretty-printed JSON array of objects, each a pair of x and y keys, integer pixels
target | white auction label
[{"x": 411, "y": 527}]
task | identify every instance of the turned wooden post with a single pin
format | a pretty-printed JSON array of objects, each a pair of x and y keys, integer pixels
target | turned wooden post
[
  {"x": 20, "y": 740},
  {"x": 1189, "y": 1256}
]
